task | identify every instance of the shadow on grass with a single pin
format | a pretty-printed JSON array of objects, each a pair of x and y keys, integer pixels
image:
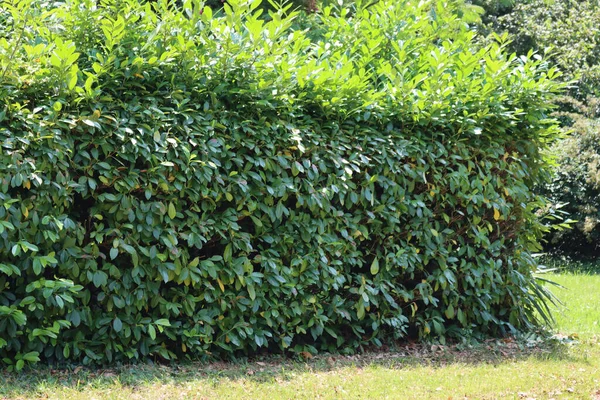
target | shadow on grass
[{"x": 36, "y": 382}]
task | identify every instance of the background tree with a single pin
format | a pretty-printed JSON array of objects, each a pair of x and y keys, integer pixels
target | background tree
[{"x": 568, "y": 34}]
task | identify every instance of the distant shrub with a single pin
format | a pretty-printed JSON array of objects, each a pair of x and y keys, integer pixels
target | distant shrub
[
  {"x": 175, "y": 184},
  {"x": 567, "y": 30},
  {"x": 575, "y": 187},
  {"x": 493, "y": 9}
]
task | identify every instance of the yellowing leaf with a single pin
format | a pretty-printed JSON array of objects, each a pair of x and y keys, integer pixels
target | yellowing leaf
[
  {"x": 375, "y": 266},
  {"x": 251, "y": 292},
  {"x": 27, "y": 184},
  {"x": 172, "y": 211},
  {"x": 496, "y": 214},
  {"x": 360, "y": 312},
  {"x": 221, "y": 285}
]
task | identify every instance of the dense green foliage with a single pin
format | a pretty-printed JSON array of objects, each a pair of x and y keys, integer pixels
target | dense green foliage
[{"x": 178, "y": 184}]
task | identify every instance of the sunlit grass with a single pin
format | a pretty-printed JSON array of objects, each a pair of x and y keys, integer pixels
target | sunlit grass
[
  {"x": 581, "y": 297},
  {"x": 483, "y": 372}
]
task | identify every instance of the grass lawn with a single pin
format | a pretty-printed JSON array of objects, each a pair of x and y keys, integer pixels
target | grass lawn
[{"x": 493, "y": 370}]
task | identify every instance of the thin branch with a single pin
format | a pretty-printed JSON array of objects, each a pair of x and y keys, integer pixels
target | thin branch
[{"x": 16, "y": 46}]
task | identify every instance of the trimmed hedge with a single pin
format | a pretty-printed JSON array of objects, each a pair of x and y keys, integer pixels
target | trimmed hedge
[{"x": 174, "y": 184}]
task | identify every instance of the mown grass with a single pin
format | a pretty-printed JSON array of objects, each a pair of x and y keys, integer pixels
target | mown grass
[
  {"x": 581, "y": 297},
  {"x": 519, "y": 369}
]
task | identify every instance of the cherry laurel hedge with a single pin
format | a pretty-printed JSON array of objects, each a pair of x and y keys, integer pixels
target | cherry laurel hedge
[{"x": 178, "y": 184}]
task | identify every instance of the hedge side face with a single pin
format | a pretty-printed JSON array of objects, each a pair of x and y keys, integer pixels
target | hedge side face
[{"x": 177, "y": 184}]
